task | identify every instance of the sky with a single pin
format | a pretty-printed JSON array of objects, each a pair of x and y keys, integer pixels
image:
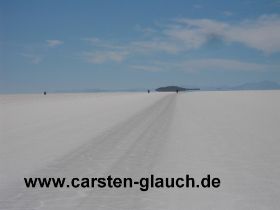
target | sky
[{"x": 73, "y": 45}]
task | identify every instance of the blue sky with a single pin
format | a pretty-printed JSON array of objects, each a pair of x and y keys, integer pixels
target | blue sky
[{"x": 67, "y": 45}]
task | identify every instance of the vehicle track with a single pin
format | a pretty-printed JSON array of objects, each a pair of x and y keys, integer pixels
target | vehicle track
[{"x": 130, "y": 149}]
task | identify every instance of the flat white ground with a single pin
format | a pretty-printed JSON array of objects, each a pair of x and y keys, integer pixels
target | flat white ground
[{"x": 231, "y": 135}]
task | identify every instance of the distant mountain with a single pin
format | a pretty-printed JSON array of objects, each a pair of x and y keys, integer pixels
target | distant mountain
[
  {"x": 170, "y": 89},
  {"x": 263, "y": 85}
]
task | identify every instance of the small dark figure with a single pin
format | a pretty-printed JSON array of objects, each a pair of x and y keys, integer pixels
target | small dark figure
[
  {"x": 177, "y": 91},
  {"x": 148, "y": 91},
  {"x": 45, "y": 93}
]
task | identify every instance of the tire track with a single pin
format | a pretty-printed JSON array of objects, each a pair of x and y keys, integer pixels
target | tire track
[
  {"x": 127, "y": 150},
  {"x": 138, "y": 161}
]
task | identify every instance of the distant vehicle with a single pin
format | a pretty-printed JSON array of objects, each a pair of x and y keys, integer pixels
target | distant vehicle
[
  {"x": 148, "y": 91},
  {"x": 45, "y": 93}
]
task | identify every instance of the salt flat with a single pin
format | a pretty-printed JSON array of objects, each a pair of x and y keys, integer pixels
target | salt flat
[{"x": 232, "y": 135}]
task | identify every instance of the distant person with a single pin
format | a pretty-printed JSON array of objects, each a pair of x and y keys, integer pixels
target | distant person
[
  {"x": 45, "y": 93},
  {"x": 148, "y": 91},
  {"x": 177, "y": 91}
]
